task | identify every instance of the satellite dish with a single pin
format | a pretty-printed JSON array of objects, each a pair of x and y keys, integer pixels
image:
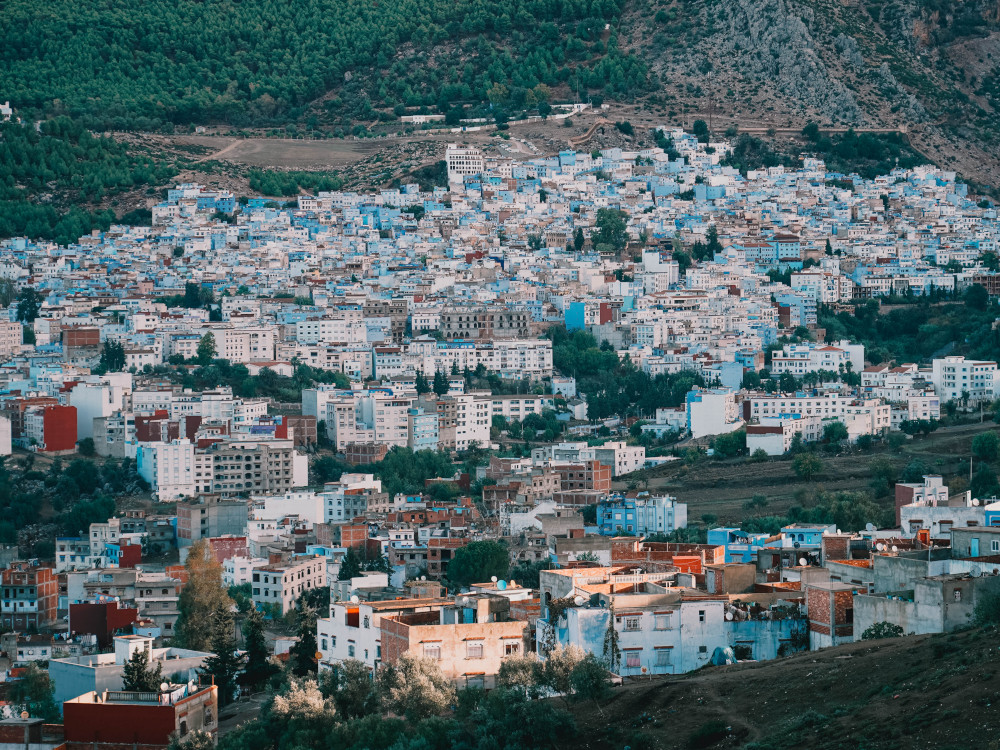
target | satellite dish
[
  {"x": 501, "y": 585},
  {"x": 579, "y": 600},
  {"x": 164, "y": 686},
  {"x": 318, "y": 655},
  {"x": 25, "y": 714},
  {"x": 869, "y": 527},
  {"x": 880, "y": 547},
  {"x": 513, "y": 584},
  {"x": 895, "y": 548},
  {"x": 796, "y": 545},
  {"x": 355, "y": 599},
  {"x": 975, "y": 502},
  {"x": 729, "y": 616},
  {"x": 493, "y": 578},
  {"x": 975, "y": 571},
  {"x": 423, "y": 578},
  {"x": 803, "y": 561},
  {"x": 644, "y": 670}
]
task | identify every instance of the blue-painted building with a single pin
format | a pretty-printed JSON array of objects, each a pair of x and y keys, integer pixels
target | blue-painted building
[
  {"x": 741, "y": 546},
  {"x": 640, "y": 516}
]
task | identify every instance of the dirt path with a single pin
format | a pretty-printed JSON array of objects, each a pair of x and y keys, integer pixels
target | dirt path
[{"x": 218, "y": 155}]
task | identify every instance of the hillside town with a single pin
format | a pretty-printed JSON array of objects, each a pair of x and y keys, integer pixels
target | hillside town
[{"x": 422, "y": 429}]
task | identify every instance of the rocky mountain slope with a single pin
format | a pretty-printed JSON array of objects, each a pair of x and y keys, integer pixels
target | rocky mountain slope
[{"x": 928, "y": 67}]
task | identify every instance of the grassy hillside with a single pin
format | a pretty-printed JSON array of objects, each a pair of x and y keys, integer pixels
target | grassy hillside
[{"x": 936, "y": 692}]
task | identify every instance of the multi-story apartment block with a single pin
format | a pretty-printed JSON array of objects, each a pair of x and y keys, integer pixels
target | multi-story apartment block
[
  {"x": 462, "y": 162},
  {"x": 281, "y": 585},
  {"x": 484, "y": 322},
  {"x": 11, "y": 334},
  {"x": 799, "y": 359},
  {"x": 641, "y": 515},
  {"x": 29, "y": 596},
  {"x": 964, "y": 381}
]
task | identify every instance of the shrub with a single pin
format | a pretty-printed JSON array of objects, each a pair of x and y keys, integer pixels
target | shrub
[{"x": 883, "y": 629}]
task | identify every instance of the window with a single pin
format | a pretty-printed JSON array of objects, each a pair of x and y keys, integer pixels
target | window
[
  {"x": 474, "y": 681},
  {"x": 632, "y": 623},
  {"x": 474, "y": 650},
  {"x": 432, "y": 652},
  {"x": 632, "y": 659},
  {"x": 701, "y": 615},
  {"x": 958, "y": 595},
  {"x": 350, "y": 650},
  {"x": 995, "y": 545},
  {"x": 324, "y": 646},
  {"x": 702, "y": 649},
  {"x": 366, "y": 622},
  {"x": 511, "y": 649},
  {"x": 662, "y": 657}
]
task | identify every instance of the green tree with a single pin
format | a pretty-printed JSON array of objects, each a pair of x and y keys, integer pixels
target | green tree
[
  {"x": 258, "y": 667},
  {"x": 440, "y": 386},
  {"x": 730, "y": 444},
  {"x": 196, "y": 740},
  {"x": 578, "y": 239},
  {"x": 29, "y": 302},
  {"x": 33, "y": 693},
  {"x": 976, "y": 297},
  {"x": 112, "y": 356},
  {"x": 700, "y": 130},
  {"x": 421, "y": 383},
  {"x": 224, "y": 665},
  {"x": 590, "y": 681},
  {"x": 303, "y": 653},
  {"x": 206, "y": 349},
  {"x": 712, "y": 244},
  {"x": 835, "y": 432},
  {"x": 86, "y": 447},
  {"x": 353, "y": 689},
  {"x": 138, "y": 675},
  {"x": 350, "y": 566},
  {"x": 477, "y": 562},
  {"x": 986, "y": 446},
  {"x": 524, "y": 674},
  {"x": 557, "y": 669},
  {"x": 414, "y": 687},
  {"x": 202, "y": 596},
  {"x": 611, "y": 229},
  {"x": 807, "y": 465}
]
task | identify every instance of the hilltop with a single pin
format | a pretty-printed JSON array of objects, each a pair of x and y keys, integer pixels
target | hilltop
[
  {"x": 936, "y": 691},
  {"x": 929, "y": 68}
]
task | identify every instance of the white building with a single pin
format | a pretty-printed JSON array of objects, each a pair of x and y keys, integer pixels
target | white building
[
  {"x": 712, "y": 412},
  {"x": 958, "y": 379},
  {"x": 239, "y": 570},
  {"x": 799, "y": 359},
  {"x": 6, "y": 447},
  {"x": 170, "y": 468},
  {"x": 280, "y": 585},
  {"x": 463, "y": 161}
]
